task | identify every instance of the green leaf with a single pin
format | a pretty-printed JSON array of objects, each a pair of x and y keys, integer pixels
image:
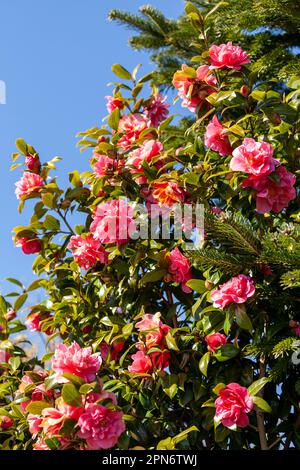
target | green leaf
[
  {"x": 203, "y": 363},
  {"x": 242, "y": 318},
  {"x": 73, "y": 378},
  {"x": 14, "y": 363},
  {"x": 171, "y": 342},
  {"x": 114, "y": 118},
  {"x": 51, "y": 223},
  {"x": 36, "y": 407},
  {"x": 153, "y": 276},
  {"x": 181, "y": 436},
  {"x": 256, "y": 386},
  {"x": 197, "y": 285},
  {"x": 20, "y": 302},
  {"x": 22, "y": 146},
  {"x": 121, "y": 72},
  {"x": 15, "y": 281},
  {"x": 226, "y": 352},
  {"x": 166, "y": 444},
  {"x": 3, "y": 306},
  {"x": 71, "y": 396},
  {"x": 262, "y": 404}
]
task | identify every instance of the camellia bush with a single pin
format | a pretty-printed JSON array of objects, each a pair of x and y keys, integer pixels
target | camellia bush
[{"x": 155, "y": 341}]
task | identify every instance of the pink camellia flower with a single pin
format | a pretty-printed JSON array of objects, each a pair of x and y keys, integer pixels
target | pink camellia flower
[
  {"x": 113, "y": 222},
  {"x": 132, "y": 126},
  {"x": 34, "y": 321},
  {"x": 4, "y": 356},
  {"x": 29, "y": 245},
  {"x": 105, "y": 165},
  {"x": 33, "y": 163},
  {"x": 113, "y": 103},
  {"x": 28, "y": 184},
  {"x": 6, "y": 422},
  {"x": 145, "y": 153},
  {"x": 35, "y": 423},
  {"x": 237, "y": 291},
  {"x": 77, "y": 361},
  {"x": 87, "y": 251},
  {"x": 215, "y": 341},
  {"x": 100, "y": 427},
  {"x": 167, "y": 192},
  {"x": 53, "y": 418},
  {"x": 179, "y": 269},
  {"x": 232, "y": 406},
  {"x": 154, "y": 328},
  {"x": 228, "y": 56},
  {"x": 141, "y": 363},
  {"x": 40, "y": 444},
  {"x": 255, "y": 158},
  {"x": 157, "y": 109},
  {"x": 194, "y": 86},
  {"x": 216, "y": 138},
  {"x": 272, "y": 194},
  {"x": 10, "y": 314},
  {"x": 114, "y": 349}
]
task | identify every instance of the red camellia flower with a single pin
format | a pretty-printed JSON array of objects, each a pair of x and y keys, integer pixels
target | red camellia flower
[
  {"x": 4, "y": 356},
  {"x": 154, "y": 329},
  {"x": 6, "y": 422},
  {"x": 28, "y": 184},
  {"x": 228, "y": 56},
  {"x": 77, "y": 361},
  {"x": 29, "y": 245},
  {"x": 33, "y": 163},
  {"x": 87, "y": 251},
  {"x": 141, "y": 363},
  {"x": 274, "y": 192},
  {"x": 157, "y": 109},
  {"x": 215, "y": 341},
  {"x": 113, "y": 222},
  {"x": 232, "y": 406},
  {"x": 255, "y": 158},
  {"x": 101, "y": 427},
  {"x": 216, "y": 138},
  {"x": 237, "y": 291},
  {"x": 34, "y": 322},
  {"x": 194, "y": 86},
  {"x": 179, "y": 269},
  {"x": 113, "y": 103},
  {"x": 10, "y": 315},
  {"x": 132, "y": 126}
]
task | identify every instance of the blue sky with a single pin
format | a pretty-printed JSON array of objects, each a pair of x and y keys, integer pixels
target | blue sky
[{"x": 55, "y": 59}]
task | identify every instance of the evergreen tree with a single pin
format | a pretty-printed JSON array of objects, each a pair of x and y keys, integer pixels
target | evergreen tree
[{"x": 268, "y": 29}]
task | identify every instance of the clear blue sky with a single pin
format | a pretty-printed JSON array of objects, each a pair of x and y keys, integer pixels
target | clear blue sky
[{"x": 55, "y": 58}]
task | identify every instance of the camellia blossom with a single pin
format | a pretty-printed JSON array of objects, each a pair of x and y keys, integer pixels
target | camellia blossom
[
  {"x": 179, "y": 269},
  {"x": 237, "y": 291},
  {"x": 112, "y": 350},
  {"x": 141, "y": 363},
  {"x": 40, "y": 444},
  {"x": 232, "y": 406},
  {"x": 154, "y": 329},
  {"x": 106, "y": 166},
  {"x": 87, "y": 251},
  {"x": 194, "y": 86},
  {"x": 157, "y": 109},
  {"x": 216, "y": 138},
  {"x": 132, "y": 126},
  {"x": 255, "y": 158},
  {"x": 28, "y": 184},
  {"x": 272, "y": 194},
  {"x": 101, "y": 427},
  {"x": 34, "y": 422},
  {"x": 113, "y": 222},
  {"x": 228, "y": 56},
  {"x": 147, "y": 151},
  {"x": 33, "y": 163},
  {"x": 6, "y": 422},
  {"x": 113, "y": 103},
  {"x": 167, "y": 192},
  {"x": 77, "y": 361},
  {"x": 29, "y": 245},
  {"x": 53, "y": 418},
  {"x": 4, "y": 356},
  {"x": 34, "y": 322},
  {"x": 215, "y": 341}
]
